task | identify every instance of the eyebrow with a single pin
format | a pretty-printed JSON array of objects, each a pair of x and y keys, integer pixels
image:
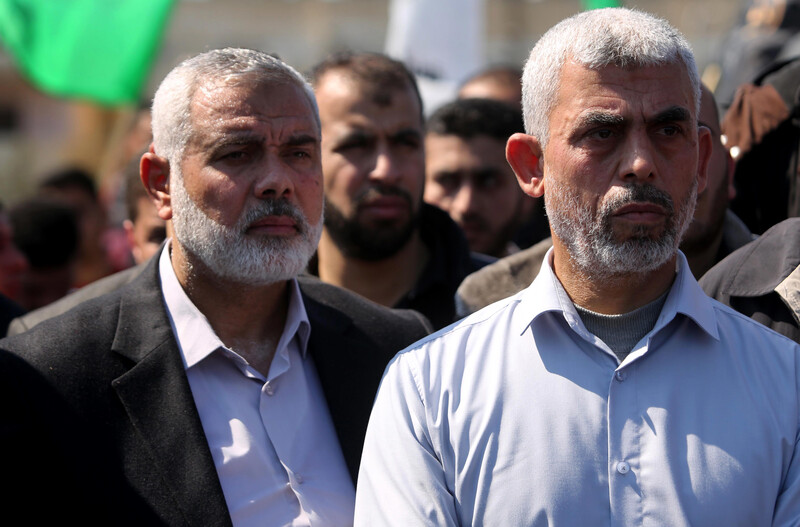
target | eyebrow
[
  {"x": 355, "y": 134},
  {"x": 595, "y": 118},
  {"x": 248, "y": 137},
  {"x": 230, "y": 138},
  {"x": 405, "y": 132},
  {"x": 301, "y": 140},
  {"x": 676, "y": 114}
]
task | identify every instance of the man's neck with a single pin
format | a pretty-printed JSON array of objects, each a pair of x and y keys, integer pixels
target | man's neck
[
  {"x": 247, "y": 319},
  {"x": 612, "y": 295},
  {"x": 384, "y": 281}
]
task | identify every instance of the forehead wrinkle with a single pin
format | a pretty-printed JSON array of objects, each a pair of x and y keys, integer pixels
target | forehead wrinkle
[
  {"x": 220, "y": 102},
  {"x": 254, "y": 129},
  {"x": 301, "y": 139},
  {"x": 228, "y": 137}
]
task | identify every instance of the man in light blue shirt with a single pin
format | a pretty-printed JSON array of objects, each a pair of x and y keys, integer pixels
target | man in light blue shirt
[{"x": 611, "y": 391}]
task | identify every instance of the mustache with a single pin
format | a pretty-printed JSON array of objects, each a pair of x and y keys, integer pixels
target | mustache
[
  {"x": 475, "y": 220},
  {"x": 274, "y": 207},
  {"x": 374, "y": 192},
  {"x": 639, "y": 193}
]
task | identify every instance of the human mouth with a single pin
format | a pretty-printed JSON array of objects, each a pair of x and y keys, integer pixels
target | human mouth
[
  {"x": 273, "y": 226},
  {"x": 473, "y": 228},
  {"x": 385, "y": 207},
  {"x": 640, "y": 213}
]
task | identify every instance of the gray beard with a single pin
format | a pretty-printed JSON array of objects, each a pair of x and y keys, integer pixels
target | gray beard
[
  {"x": 230, "y": 253},
  {"x": 590, "y": 239}
]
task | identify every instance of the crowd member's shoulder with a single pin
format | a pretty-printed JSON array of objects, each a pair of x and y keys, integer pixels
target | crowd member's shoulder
[
  {"x": 757, "y": 267},
  {"x": 87, "y": 333},
  {"x": 328, "y": 301},
  {"x": 480, "y": 260},
  {"x": 760, "y": 280},
  {"x": 76, "y": 327},
  {"x": 93, "y": 290},
  {"x": 500, "y": 279}
]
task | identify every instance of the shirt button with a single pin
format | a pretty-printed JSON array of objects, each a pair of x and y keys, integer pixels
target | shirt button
[
  {"x": 623, "y": 467},
  {"x": 299, "y": 478},
  {"x": 619, "y": 375},
  {"x": 269, "y": 389}
]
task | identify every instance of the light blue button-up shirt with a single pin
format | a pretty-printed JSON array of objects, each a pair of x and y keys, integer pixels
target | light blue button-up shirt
[{"x": 517, "y": 415}]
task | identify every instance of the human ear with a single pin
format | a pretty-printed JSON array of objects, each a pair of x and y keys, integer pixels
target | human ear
[
  {"x": 154, "y": 173},
  {"x": 127, "y": 225},
  {"x": 731, "y": 170},
  {"x": 524, "y": 154},
  {"x": 704, "y": 156}
]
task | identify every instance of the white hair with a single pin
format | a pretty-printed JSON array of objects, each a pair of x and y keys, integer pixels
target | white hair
[
  {"x": 171, "y": 111},
  {"x": 619, "y": 37}
]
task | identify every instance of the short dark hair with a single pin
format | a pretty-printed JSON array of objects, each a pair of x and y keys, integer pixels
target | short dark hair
[
  {"x": 134, "y": 188},
  {"x": 71, "y": 178},
  {"x": 378, "y": 74},
  {"x": 467, "y": 118},
  {"x": 46, "y": 231}
]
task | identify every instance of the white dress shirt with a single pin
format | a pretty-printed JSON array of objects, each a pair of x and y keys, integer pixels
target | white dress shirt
[
  {"x": 518, "y": 416},
  {"x": 272, "y": 439}
]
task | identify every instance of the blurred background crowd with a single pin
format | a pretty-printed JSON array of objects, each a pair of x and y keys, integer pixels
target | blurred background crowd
[{"x": 76, "y": 78}]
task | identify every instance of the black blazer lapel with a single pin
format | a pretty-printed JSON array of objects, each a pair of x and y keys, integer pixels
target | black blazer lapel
[
  {"x": 158, "y": 401},
  {"x": 349, "y": 366}
]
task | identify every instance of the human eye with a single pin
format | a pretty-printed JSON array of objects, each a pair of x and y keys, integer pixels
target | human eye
[
  {"x": 448, "y": 181},
  {"x": 231, "y": 158},
  {"x": 670, "y": 130},
  {"x": 301, "y": 154},
  {"x": 234, "y": 155},
  {"x": 601, "y": 133},
  {"x": 487, "y": 180},
  {"x": 352, "y": 142},
  {"x": 234, "y": 152},
  {"x": 408, "y": 139}
]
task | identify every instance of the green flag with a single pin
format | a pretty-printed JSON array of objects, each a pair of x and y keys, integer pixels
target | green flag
[
  {"x": 597, "y": 4},
  {"x": 95, "y": 49}
]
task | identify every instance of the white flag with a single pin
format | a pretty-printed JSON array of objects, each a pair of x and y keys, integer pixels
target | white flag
[{"x": 441, "y": 41}]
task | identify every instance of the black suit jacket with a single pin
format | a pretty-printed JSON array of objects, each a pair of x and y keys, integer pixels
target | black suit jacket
[
  {"x": 106, "y": 395},
  {"x": 101, "y": 287}
]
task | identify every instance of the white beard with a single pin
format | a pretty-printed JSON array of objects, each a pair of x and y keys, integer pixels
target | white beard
[
  {"x": 590, "y": 239},
  {"x": 232, "y": 254}
]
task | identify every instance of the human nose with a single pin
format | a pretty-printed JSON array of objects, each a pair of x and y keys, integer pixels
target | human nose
[
  {"x": 387, "y": 167},
  {"x": 463, "y": 201},
  {"x": 274, "y": 180},
  {"x": 638, "y": 161}
]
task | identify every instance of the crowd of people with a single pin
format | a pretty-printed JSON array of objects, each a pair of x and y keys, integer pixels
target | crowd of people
[{"x": 552, "y": 302}]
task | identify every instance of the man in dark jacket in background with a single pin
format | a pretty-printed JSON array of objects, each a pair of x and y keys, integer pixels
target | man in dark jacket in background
[{"x": 380, "y": 240}]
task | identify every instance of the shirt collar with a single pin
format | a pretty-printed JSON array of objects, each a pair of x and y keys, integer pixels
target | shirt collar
[
  {"x": 195, "y": 336},
  {"x": 789, "y": 291},
  {"x": 685, "y": 297}
]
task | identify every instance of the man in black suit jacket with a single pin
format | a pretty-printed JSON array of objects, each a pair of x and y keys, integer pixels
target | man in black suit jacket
[{"x": 107, "y": 404}]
